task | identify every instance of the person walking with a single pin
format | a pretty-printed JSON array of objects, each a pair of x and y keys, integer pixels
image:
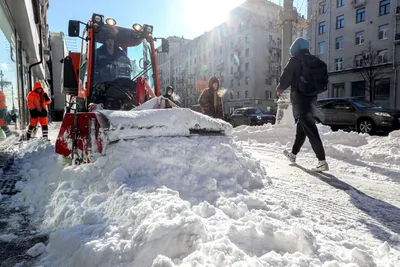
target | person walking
[{"x": 307, "y": 76}]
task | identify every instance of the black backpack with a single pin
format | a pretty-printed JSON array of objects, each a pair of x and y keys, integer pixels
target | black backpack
[{"x": 313, "y": 78}]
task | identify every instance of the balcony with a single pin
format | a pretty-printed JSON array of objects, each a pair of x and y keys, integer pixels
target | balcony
[
  {"x": 272, "y": 44},
  {"x": 397, "y": 38},
  {"x": 238, "y": 47},
  {"x": 238, "y": 74},
  {"x": 358, "y": 3}
]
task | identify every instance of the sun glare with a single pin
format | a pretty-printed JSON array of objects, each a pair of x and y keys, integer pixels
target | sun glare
[{"x": 203, "y": 15}]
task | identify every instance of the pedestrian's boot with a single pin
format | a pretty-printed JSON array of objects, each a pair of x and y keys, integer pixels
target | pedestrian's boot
[
  {"x": 321, "y": 166},
  {"x": 291, "y": 157}
]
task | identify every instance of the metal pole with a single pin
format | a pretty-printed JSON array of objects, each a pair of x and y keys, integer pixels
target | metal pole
[
  {"x": 286, "y": 31},
  {"x": 1, "y": 79},
  {"x": 284, "y": 111}
]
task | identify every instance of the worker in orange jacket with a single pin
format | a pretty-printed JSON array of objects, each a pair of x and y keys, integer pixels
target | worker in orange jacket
[{"x": 37, "y": 104}]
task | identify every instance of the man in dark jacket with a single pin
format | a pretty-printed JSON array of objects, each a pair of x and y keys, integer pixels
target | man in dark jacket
[
  {"x": 210, "y": 100},
  {"x": 303, "y": 106}
]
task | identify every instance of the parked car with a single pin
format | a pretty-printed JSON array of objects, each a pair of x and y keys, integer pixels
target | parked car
[
  {"x": 251, "y": 116},
  {"x": 358, "y": 114}
]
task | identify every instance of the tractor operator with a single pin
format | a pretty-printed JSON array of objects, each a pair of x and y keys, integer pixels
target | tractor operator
[
  {"x": 109, "y": 51},
  {"x": 107, "y": 54}
]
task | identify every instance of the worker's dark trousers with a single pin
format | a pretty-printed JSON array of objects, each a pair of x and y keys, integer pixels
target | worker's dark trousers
[{"x": 306, "y": 128}]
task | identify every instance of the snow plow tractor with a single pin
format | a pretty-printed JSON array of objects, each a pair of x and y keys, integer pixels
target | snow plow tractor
[{"x": 113, "y": 92}]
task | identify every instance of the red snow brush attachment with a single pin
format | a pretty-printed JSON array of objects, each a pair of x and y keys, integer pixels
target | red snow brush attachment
[{"x": 78, "y": 138}]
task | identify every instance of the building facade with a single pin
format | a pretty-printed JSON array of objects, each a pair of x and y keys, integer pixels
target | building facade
[
  {"x": 358, "y": 39},
  {"x": 24, "y": 30},
  {"x": 244, "y": 53},
  {"x": 233, "y": 52}
]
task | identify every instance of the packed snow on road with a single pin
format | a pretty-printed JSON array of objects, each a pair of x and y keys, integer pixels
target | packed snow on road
[{"x": 217, "y": 201}]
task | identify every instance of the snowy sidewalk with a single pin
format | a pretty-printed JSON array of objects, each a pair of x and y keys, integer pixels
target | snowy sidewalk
[{"x": 211, "y": 204}]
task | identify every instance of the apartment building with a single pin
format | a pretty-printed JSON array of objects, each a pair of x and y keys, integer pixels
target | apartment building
[
  {"x": 358, "y": 39},
  {"x": 243, "y": 52},
  {"x": 165, "y": 61},
  {"x": 24, "y": 28}
]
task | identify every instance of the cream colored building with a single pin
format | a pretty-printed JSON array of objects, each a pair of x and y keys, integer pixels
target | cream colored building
[{"x": 340, "y": 33}]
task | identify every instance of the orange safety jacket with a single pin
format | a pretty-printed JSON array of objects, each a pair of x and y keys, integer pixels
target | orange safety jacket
[
  {"x": 2, "y": 100},
  {"x": 37, "y": 100}
]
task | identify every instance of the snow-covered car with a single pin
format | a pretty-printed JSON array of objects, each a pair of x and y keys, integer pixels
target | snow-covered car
[{"x": 357, "y": 113}]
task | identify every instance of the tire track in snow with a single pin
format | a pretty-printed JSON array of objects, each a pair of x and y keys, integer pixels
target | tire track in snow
[{"x": 341, "y": 206}]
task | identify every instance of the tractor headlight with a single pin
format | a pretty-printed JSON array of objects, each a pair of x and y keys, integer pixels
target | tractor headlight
[
  {"x": 383, "y": 114},
  {"x": 137, "y": 27},
  {"x": 259, "y": 117},
  {"x": 97, "y": 18},
  {"x": 111, "y": 22}
]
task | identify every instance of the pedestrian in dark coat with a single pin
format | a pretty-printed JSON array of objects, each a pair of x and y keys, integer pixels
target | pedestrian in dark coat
[
  {"x": 303, "y": 106},
  {"x": 210, "y": 101}
]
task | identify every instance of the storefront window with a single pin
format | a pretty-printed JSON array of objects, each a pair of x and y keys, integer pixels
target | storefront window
[{"x": 8, "y": 59}]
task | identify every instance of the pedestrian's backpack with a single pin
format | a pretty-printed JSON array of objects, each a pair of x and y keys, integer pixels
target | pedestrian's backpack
[{"x": 313, "y": 76}]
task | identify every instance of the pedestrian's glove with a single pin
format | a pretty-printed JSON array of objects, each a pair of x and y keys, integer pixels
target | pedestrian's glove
[
  {"x": 43, "y": 113},
  {"x": 46, "y": 97},
  {"x": 34, "y": 113}
]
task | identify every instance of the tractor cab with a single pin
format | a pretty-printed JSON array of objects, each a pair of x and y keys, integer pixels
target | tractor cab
[
  {"x": 117, "y": 65},
  {"x": 120, "y": 58}
]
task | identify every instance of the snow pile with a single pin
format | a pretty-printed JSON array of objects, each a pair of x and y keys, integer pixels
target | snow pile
[
  {"x": 337, "y": 144},
  {"x": 158, "y": 122},
  {"x": 147, "y": 197}
]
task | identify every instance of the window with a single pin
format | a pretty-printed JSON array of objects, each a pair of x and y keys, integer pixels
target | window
[
  {"x": 322, "y": 27},
  {"x": 246, "y": 80},
  {"x": 383, "y": 32},
  {"x": 268, "y": 81},
  {"x": 247, "y": 52},
  {"x": 247, "y": 39},
  {"x": 340, "y": 22},
  {"x": 359, "y": 61},
  {"x": 337, "y": 90},
  {"x": 231, "y": 95},
  {"x": 232, "y": 83},
  {"x": 340, "y": 3},
  {"x": 268, "y": 94},
  {"x": 382, "y": 95},
  {"x": 322, "y": 8},
  {"x": 238, "y": 94},
  {"x": 384, "y": 7},
  {"x": 360, "y": 15},
  {"x": 247, "y": 66},
  {"x": 246, "y": 94},
  {"x": 321, "y": 47},
  {"x": 342, "y": 105},
  {"x": 359, "y": 38},
  {"x": 231, "y": 70},
  {"x": 383, "y": 56},
  {"x": 239, "y": 40},
  {"x": 358, "y": 88},
  {"x": 338, "y": 63},
  {"x": 339, "y": 43}
]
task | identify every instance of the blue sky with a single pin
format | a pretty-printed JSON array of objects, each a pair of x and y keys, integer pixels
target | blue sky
[{"x": 188, "y": 18}]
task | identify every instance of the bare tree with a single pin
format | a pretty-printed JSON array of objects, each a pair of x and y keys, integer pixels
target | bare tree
[
  {"x": 371, "y": 66},
  {"x": 4, "y": 85}
]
